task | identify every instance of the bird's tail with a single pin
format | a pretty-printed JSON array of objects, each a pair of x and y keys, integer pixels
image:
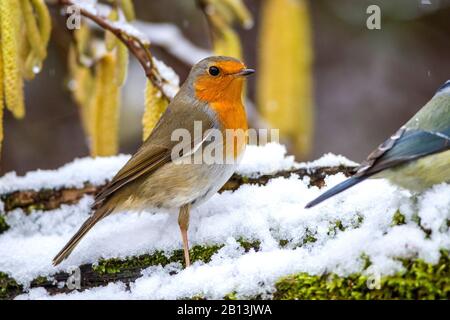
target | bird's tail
[
  {"x": 335, "y": 190},
  {"x": 87, "y": 225}
]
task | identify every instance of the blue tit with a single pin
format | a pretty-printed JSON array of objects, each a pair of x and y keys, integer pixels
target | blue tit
[{"x": 416, "y": 157}]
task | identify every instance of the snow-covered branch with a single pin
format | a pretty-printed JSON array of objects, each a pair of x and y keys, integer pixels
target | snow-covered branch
[
  {"x": 245, "y": 240},
  {"x": 135, "y": 41}
]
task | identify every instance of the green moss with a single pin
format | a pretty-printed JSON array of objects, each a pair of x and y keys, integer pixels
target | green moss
[
  {"x": 34, "y": 207},
  {"x": 231, "y": 296},
  {"x": 335, "y": 227},
  {"x": 128, "y": 266},
  {"x": 115, "y": 265},
  {"x": 283, "y": 243},
  {"x": 41, "y": 280},
  {"x": 420, "y": 281},
  {"x": 197, "y": 297},
  {"x": 9, "y": 288},
  {"x": 398, "y": 219},
  {"x": 3, "y": 225},
  {"x": 366, "y": 261},
  {"x": 309, "y": 237},
  {"x": 416, "y": 218},
  {"x": 197, "y": 253},
  {"x": 245, "y": 179},
  {"x": 248, "y": 245},
  {"x": 359, "y": 219}
]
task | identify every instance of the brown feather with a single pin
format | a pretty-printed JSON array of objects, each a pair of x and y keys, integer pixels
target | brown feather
[
  {"x": 87, "y": 225},
  {"x": 156, "y": 150}
]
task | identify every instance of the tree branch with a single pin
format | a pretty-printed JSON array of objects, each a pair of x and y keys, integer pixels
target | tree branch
[
  {"x": 49, "y": 199},
  {"x": 138, "y": 47},
  {"x": 129, "y": 269}
]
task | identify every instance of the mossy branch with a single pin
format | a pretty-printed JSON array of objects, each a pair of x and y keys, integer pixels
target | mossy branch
[
  {"x": 49, "y": 199},
  {"x": 111, "y": 270},
  {"x": 420, "y": 280}
]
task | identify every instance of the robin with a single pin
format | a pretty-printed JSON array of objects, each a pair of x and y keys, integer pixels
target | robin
[{"x": 154, "y": 178}]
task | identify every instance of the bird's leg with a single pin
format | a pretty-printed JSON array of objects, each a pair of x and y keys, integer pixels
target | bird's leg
[{"x": 183, "y": 222}]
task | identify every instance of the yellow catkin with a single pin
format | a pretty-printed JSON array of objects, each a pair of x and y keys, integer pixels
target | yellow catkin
[
  {"x": 83, "y": 94},
  {"x": 34, "y": 41},
  {"x": 155, "y": 105},
  {"x": 13, "y": 82},
  {"x": 82, "y": 85},
  {"x": 284, "y": 86},
  {"x": 104, "y": 109},
  {"x": 110, "y": 39},
  {"x": 121, "y": 51},
  {"x": 44, "y": 19},
  {"x": 127, "y": 9},
  {"x": 82, "y": 37},
  {"x": 31, "y": 66},
  {"x": 122, "y": 64},
  {"x": 37, "y": 22},
  {"x": 32, "y": 29},
  {"x": 1, "y": 120},
  {"x": 26, "y": 56}
]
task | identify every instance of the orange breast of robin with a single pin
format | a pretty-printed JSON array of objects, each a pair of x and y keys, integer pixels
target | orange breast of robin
[
  {"x": 234, "y": 121},
  {"x": 224, "y": 96}
]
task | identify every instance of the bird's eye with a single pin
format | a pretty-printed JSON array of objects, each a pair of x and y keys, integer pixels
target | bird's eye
[{"x": 214, "y": 71}]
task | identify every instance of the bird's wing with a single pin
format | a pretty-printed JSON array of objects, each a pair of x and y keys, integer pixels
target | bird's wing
[
  {"x": 156, "y": 151},
  {"x": 404, "y": 146}
]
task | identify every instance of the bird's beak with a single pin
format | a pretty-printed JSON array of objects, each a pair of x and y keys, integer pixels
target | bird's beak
[{"x": 245, "y": 72}]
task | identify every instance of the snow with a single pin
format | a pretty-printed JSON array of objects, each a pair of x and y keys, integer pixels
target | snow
[
  {"x": 265, "y": 160},
  {"x": 328, "y": 160},
  {"x": 267, "y": 213},
  {"x": 95, "y": 8},
  {"x": 171, "y": 86},
  {"x": 273, "y": 157},
  {"x": 74, "y": 174},
  {"x": 131, "y": 30}
]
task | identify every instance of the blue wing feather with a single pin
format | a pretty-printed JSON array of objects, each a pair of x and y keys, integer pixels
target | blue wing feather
[{"x": 413, "y": 144}]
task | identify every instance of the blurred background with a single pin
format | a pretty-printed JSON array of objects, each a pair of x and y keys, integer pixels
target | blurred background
[{"x": 365, "y": 83}]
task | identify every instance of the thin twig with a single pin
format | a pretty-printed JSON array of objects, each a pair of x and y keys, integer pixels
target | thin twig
[{"x": 136, "y": 46}]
